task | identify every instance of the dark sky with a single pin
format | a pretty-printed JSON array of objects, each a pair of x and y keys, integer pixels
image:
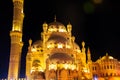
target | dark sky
[{"x": 96, "y": 22}]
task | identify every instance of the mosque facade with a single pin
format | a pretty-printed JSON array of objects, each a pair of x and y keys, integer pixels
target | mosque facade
[{"x": 56, "y": 56}]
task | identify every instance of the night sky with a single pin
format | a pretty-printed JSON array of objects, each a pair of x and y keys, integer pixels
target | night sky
[{"x": 96, "y": 22}]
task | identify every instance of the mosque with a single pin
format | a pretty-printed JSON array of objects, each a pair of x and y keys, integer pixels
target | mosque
[{"x": 56, "y": 56}]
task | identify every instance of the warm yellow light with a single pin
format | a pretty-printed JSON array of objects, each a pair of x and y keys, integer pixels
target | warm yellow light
[
  {"x": 52, "y": 29},
  {"x": 78, "y": 51},
  {"x": 37, "y": 69},
  {"x": 33, "y": 50},
  {"x": 52, "y": 66},
  {"x": 83, "y": 78},
  {"x": 41, "y": 70},
  {"x": 50, "y": 45},
  {"x": 67, "y": 46},
  {"x": 21, "y": 11},
  {"x": 86, "y": 70},
  {"x": 73, "y": 67},
  {"x": 110, "y": 57},
  {"x": 16, "y": 28},
  {"x": 32, "y": 70},
  {"x": 66, "y": 66},
  {"x": 60, "y": 45},
  {"x": 62, "y": 30}
]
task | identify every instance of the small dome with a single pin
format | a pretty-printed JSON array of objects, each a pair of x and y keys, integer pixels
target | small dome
[
  {"x": 76, "y": 46},
  {"x": 59, "y": 57},
  {"x": 107, "y": 58},
  {"x": 37, "y": 44}
]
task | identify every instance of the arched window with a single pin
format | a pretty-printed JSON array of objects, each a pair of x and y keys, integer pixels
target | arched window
[{"x": 107, "y": 66}]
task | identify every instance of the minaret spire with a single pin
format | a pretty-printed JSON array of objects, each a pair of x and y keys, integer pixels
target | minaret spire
[
  {"x": 83, "y": 46},
  {"x": 88, "y": 55},
  {"x": 16, "y": 40}
]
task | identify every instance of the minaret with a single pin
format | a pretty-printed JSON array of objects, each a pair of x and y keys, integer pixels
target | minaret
[
  {"x": 16, "y": 40},
  {"x": 88, "y": 55},
  {"x": 89, "y": 62},
  {"x": 28, "y": 62}
]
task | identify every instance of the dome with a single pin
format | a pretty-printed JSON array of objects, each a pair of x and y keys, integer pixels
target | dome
[
  {"x": 56, "y": 26},
  {"x": 57, "y": 38},
  {"x": 76, "y": 46},
  {"x": 107, "y": 58},
  {"x": 37, "y": 44},
  {"x": 59, "y": 57}
]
